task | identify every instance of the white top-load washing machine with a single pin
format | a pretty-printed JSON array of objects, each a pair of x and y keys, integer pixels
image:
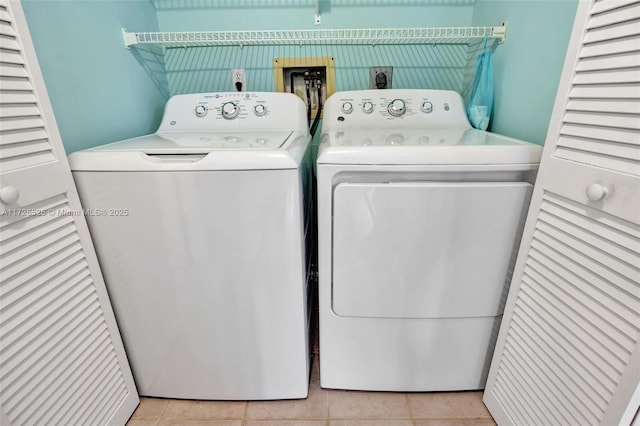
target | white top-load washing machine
[
  {"x": 419, "y": 221},
  {"x": 200, "y": 233}
]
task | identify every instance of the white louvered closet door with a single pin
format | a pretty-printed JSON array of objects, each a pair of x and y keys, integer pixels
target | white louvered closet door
[
  {"x": 568, "y": 351},
  {"x": 61, "y": 356}
]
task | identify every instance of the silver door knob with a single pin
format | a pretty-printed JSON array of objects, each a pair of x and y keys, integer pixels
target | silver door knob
[
  {"x": 9, "y": 195},
  {"x": 596, "y": 192}
]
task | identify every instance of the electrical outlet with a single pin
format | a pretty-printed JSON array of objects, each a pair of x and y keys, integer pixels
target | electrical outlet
[
  {"x": 237, "y": 77},
  {"x": 380, "y": 77}
]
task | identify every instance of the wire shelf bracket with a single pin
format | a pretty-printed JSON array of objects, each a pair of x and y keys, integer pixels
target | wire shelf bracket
[{"x": 361, "y": 36}]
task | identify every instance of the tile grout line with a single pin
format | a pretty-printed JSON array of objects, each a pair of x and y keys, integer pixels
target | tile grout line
[
  {"x": 406, "y": 396},
  {"x": 164, "y": 409}
]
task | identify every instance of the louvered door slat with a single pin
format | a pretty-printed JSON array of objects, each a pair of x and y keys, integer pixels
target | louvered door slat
[
  {"x": 23, "y": 378},
  {"x": 59, "y": 314},
  {"x": 597, "y": 372},
  {"x": 61, "y": 357},
  {"x": 21, "y": 123},
  {"x": 12, "y": 70},
  {"x": 12, "y": 111},
  {"x": 18, "y": 97},
  {"x": 11, "y": 56},
  {"x": 20, "y": 114},
  {"x": 622, "y": 276},
  {"x": 79, "y": 390},
  {"x": 9, "y": 43},
  {"x": 29, "y": 159},
  {"x": 6, "y": 30},
  {"x": 20, "y": 375},
  {"x": 624, "y": 45},
  {"x": 581, "y": 305},
  {"x": 601, "y": 133},
  {"x": 48, "y": 209},
  {"x": 614, "y": 16},
  {"x": 42, "y": 254},
  {"x": 627, "y": 75},
  {"x": 26, "y": 148},
  {"x": 613, "y": 149},
  {"x": 585, "y": 401},
  {"x": 606, "y": 92},
  {"x": 24, "y": 135},
  {"x": 557, "y": 373},
  {"x": 606, "y": 106},
  {"x": 601, "y": 121},
  {"x": 99, "y": 409},
  {"x": 46, "y": 225},
  {"x": 612, "y": 32},
  {"x": 534, "y": 367},
  {"x": 628, "y": 166},
  {"x": 14, "y": 84},
  {"x": 511, "y": 392},
  {"x": 625, "y": 121},
  {"x": 549, "y": 306},
  {"x": 90, "y": 368},
  {"x": 607, "y": 62},
  {"x": 94, "y": 339},
  {"x": 611, "y": 231},
  {"x": 42, "y": 288},
  {"x": 621, "y": 322},
  {"x": 601, "y": 6}
]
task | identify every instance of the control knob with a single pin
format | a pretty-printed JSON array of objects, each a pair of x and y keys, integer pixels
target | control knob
[
  {"x": 347, "y": 107},
  {"x": 427, "y": 107},
  {"x": 396, "y": 107},
  {"x": 260, "y": 110},
  {"x": 367, "y": 107},
  {"x": 201, "y": 110},
  {"x": 230, "y": 110}
]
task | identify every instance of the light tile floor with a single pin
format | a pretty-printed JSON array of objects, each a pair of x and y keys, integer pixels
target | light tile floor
[{"x": 322, "y": 408}]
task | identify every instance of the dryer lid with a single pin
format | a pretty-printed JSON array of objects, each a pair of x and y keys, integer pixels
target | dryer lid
[
  {"x": 201, "y": 142},
  {"x": 435, "y": 146}
]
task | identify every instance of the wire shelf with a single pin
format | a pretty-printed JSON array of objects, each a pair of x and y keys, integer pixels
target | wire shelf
[{"x": 364, "y": 36}]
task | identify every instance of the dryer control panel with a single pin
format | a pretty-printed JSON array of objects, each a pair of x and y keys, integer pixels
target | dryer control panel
[
  {"x": 401, "y": 107},
  {"x": 200, "y": 112}
]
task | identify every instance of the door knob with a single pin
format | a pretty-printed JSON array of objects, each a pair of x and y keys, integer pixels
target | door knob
[
  {"x": 9, "y": 195},
  {"x": 596, "y": 192}
]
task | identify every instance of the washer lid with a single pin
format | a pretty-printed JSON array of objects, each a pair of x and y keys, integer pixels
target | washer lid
[
  {"x": 444, "y": 146},
  {"x": 187, "y": 151},
  {"x": 200, "y": 143}
]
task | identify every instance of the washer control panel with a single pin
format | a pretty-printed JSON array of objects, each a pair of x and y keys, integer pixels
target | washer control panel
[
  {"x": 232, "y": 106},
  {"x": 231, "y": 110},
  {"x": 391, "y": 107}
]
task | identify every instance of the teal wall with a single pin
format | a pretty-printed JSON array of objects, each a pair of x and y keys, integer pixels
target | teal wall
[
  {"x": 100, "y": 91},
  {"x": 528, "y": 65},
  {"x": 209, "y": 69}
]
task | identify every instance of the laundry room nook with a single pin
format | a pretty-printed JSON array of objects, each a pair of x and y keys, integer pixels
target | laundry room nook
[{"x": 320, "y": 212}]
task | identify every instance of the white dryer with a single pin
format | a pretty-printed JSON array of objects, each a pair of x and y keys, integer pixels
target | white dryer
[
  {"x": 200, "y": 233},
  {"x": 419, "y": 222}
]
